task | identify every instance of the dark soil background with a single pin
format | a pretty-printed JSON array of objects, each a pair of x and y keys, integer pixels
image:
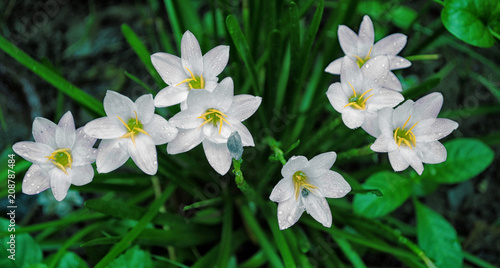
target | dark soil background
[{"x": 83, "y": 42}]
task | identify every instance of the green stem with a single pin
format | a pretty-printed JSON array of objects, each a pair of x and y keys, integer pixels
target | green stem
[
  {"x": 356, "y": 152},
  {"x": 423, "y": 57},
  {"x": 240, "y": 180},
  {"x": 278, "y": 153}
]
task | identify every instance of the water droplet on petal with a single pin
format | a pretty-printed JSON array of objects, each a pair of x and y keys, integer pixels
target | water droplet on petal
[
  {"x": 280, "y": 212},
  {"x": 28, "y": 175},
  {"x": 155, "y": 162}
]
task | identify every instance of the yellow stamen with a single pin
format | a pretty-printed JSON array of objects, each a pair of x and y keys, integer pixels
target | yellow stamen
[
  {"x": 214, "y": 116},
  {"x": 358, "y": 102},
  {"x": 300, "y": 182},
  {"x": 61, "y": 158},
  {"x": 406, "y": 137},
  {"x": 134, "y": 127},
  {"x": 197, "y": 83},
  {"x": 361, "y": 61}
]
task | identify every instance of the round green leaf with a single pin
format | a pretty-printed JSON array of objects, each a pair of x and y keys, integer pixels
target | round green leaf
[
  {"x": 395, "y": 190},
  {"x": 469, "y": 20},
  {"x": 466, "y": 159},
  {"x": 437, "y": 237}
]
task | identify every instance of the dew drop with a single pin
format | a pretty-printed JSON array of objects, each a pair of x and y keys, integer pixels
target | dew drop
[
  {"x": 375, "y": 80},
  {"x": 84, "y": 136},
  {"x": 290, "y": 219},
  {"x": 155, "y": 162},
  {"x": 367, "y": 66},
  {"x": 32, "y": 184},
  {"x": 280, "y": 212},
  {"x": 37, "y": 192},
  {"x": 28, "y": 175},
  {"x": 24, "y": 146}
]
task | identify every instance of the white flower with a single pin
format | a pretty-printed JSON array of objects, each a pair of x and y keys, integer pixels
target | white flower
[
  {"x": 304, "y": 186},
  {"x": 191, "y": 71},
  {"x": 359, "y": 95},
  {"x": 60, "y": 155},
  {"x": 129, "y": 130},
  {"x": 361, "y": 48},
  {"x": 210, "y": 118},
  {"x": 410, "y": 132}
]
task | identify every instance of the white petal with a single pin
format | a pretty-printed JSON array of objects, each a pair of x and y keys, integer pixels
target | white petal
[
  {"x": 199, "y": 98},
  {"x": 320, "y": 164},
  {"x": 83, "y": 156},
  {"x": 384, "y": 143},
  {"x": 105, "y": 128},
  {"x": 145, "y": 108},
  {"x": 337, "y": 97},
  {"x": 161, "y": 130},
  {"x": 191, "y": 53},
  {"x": 218, "y": 156},
  {"x": 371, "y": 124},
  {"x": 184, "y": 141},
  {"x": 348, "y": 40},
  {"x": 289, "y": 213},
  {"x": 332, "y": 185},
  {"x": 111, "y": 155},
  {"x": 431, "y": 152},
  {"x": 215, "y": 60},
  {"x": 398, "y": 163},
  {"x": 243, "y": 106},
  {"x": 44, "y": 131},
  {"x": 144, "y": 154},
  {"x": 33, "y": 152},
  {"x": 246, "y": 136},
  {"x": 402, "y": 113},
  {"x": 222, "y": 96},
  {"x": 65, "y": 132},
  {"x": 434, "y": 129},
  {"x": 169, "y": 67},
  {"x": 390, "y": 45},
  {"x": 375, "y": 68},
  {"x": 351, "y": 76},
  {"x": 83, "y": 140},
  {"x": 412, "y": 158},
  {"x": 210, "y": 85},
  {"x": 295, "y": 163},
  {"x": 36, "y": 180},
  {"x": 391, "y": 81},
  {"x": 366, "y": 36},
  {"x": 188, "y": 118},
  {"x": 319, "y": 209},
  {"x": 283, "y": 190},
  {"x": 59, "y": 183},
  {"x": 428, "y": 106},
  {"x": 353, "y": 118},
  {"x": 334, "y": 66},
  {"x": 384, "y": 98},
  {"x": 82, "y": 175},
  {"x": 398, "y": 62},
  {"x": 171, "y": 96},
  {"x": 384, "y": 117},
  {"x": 116, "y": 104}
]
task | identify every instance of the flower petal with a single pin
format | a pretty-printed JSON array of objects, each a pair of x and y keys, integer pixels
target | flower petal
[
  {"x": 289, "y": 213},
  {"x": 191, "y": 54},
  {"x": 434, "y": 129},
  {"x": 384, "y": 118},
  {"x": 184, "y": 141},
  {"x": 397, "y": 161},
  {"x": 83, "y": 156},
  {"x": 160, "y": 129},
  {"x": 111, "y": 155},
  {"x": 282, "y": 191},
  {"x": 428, "y": 106},
  {"x": 295, "y": 163},
  {"x": 169, "y": 67},
  {"x": 143, "y": 152},
  {"x": 371, "y": 124},
  {"x": 402, "y": 113},
  {"x": 397, "y": 62},
  {"x": 412, "y": 158},
  {"x": 353, "y": 118},
  {"x": 243, "y": 106},
  {"x": 116, "y": 104},
  {"x": 384, "y": 98},
  {"x": 210, "y": 85},
  {"x": 82, "y": 175},
  {"x": 198, "y": 98},
  {"x": 65, "y": 132},
  {"x": 145, "y": 108},
  {"x": 334, "y": 66},
  {"x": 384, "y": 143},
  {"x": 36, "y": 180},
  {"x": 105, "y": 128},
  {"x": 59, "y": 183},
  {"x": 390, "y": 45},
  {"x": 320, "y": 164},
  {"x": 332, "y": 185},
  {"x": 350, "y": 76},
  {"x": 171, "y": 96},
  {"x": 431, "y": 152},
  {"x": 218, "y": 156},
  {"x": 366, "y": 36},
  {"x": 348, "y": 40},
  {"x": 44, "y": 131},
  {"x": 246, "y": 136},
  {"x": 337, "y": 97},
  {"x": 319, "y": 209},
  {"x": 83, "y": 140},
  {"x": 215, "y": 60},
  {"x": 33, "y": 152},
  {"x": 188, "y": 118},
  {"x": 375, "y": 69},
  {"x": 222, "y": 96},
  {"x": 391, "y": 81}
]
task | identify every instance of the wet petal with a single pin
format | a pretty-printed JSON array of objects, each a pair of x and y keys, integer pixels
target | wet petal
[
  {"x": 243, "y": 106},
  {"x": 191, "y": 54},
  {"x": 59, "y": 183},
  {"x": 82, "y": 139},
  {"x": 246, "y": 136},
  {"x": 283, "y": 190},
  {"x": 36, "y": 180},
  {"x": 169, "y": 67},
  {"x": 434, "y": 129},
  {"x": 222, "y": 96},
  {"x": 111, "y": 155},
  {"x": 351, "y": 76},
  {"x": 295, "y": 163},
  {"x": 366, "y": 36},
  {"x": 384, "y": 117},
  {"x": 353, "y": 118},
  {"x": 171, "y": 96},
  {"x": 390, "y": 45},
  {"x": 289, "y": 213},
  {"x": 371, "y": 124},
  {"x": 145, "y": 108},
  {"x": 348, "y": 40},
  {"x": 65, "y": 132},
  {"x": 105, "y": 128},
  {"x": 44, "y": 131},
  {"x": 188, "y": 118},
  {"x": 83, "y": 156},
  {"x": 402, "y": 113},
  {"x": 332, "y": 185},
  {"x": 384, "y": 143},
  {"x": 82, "y": 175},
  {"x": 184, "y": 141},
  {"x": 33, "y": 152},
  {"x": 397, "y": 161},
  {"x": 335, "y": 66},
  {"x": 431, "y": 152},
  {"x": 144, "y": 154},
  {"x": 412, "y": 158},
  {"x": 428, "y": 106},
  {"x": 116, "y": 104},
  {"x": 161, "y": 130},
  {"x": 320, "y": 164},
  {"x": 215, "y": 60},
  {"x": 397, "y": 62},
  {"x": 384, "y": 98},
  {"x": 337, "y": 97},
  {"x": 218, "y": 156},
  {"x": 375, "y": 69},
  {"x": 319, "y": 209}
]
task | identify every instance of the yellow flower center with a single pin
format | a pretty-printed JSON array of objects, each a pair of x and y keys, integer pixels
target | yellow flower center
[
  {"x": 358, "y": 102},
  {"x": 196, "y": 82},
  {"x": 361, "y": 61},
  {"x": 215, "y": 117},
  {"x": 401, "y": 135},
  {"x": 301, "y": 185},
  {"x": 61, "y": 158},
  {"x": 134, "y": 127}
]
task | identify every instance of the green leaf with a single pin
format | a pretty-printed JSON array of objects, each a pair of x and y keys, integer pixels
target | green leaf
[
  {"x": 471, "y": 20},
  {"x": 133, "y": 258},
  {"x": 70, "y": 259},
  {"x": 466, "y": 159},
  {"x": 21, "y": 247},
  {"x": 437, "y": 237},
  {"x": 395, "y": 190}
]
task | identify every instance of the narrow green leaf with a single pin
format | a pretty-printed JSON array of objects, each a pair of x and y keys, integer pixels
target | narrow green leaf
[
  {"x": 139, "y": 82},
  {"x": 52, "y": 77},
  {"x": 349, "y": 252},
  {"x": 395, "y": 190},
  {"x": 437, "y": 237},
  {"x": 466, "y": 159},
  {"x": 490, "y": 85},
  {"x": 174, "y": 21},
  {"x": 227, "y": 235}
]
